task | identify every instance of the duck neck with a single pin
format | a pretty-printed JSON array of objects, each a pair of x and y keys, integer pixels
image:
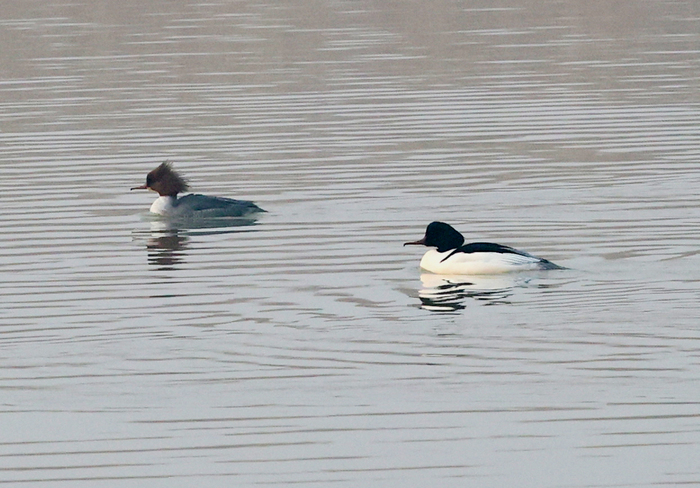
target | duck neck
[{"x": 164, "y": 204}]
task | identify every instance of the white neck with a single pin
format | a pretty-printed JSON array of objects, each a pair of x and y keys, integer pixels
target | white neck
[{"x": 163, "y": 205}]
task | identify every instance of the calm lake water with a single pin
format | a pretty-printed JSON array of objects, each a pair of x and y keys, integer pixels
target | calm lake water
[{"x": 307, "y": 349}]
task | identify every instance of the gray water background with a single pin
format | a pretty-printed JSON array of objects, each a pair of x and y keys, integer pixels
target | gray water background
[{"x": 305, "y": 350}]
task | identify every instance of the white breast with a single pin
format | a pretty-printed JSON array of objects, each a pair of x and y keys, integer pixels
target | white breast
[
  {"x": 476, "y": 262},
  {"x": 163, "y": 205}
]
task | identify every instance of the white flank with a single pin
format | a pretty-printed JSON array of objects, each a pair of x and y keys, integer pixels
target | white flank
[{"x": 477, "y": 262}]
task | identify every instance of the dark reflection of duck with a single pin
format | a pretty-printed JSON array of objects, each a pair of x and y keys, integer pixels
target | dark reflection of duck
[
  {"x": 167, "y": 243},
  {"x": 193, "y": 208},
  {"x": 166, "y": 249},
  {"x": 443, "y": 293}
]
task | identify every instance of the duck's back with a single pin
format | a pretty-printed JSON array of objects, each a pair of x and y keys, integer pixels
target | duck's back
[{"x": 195, "y": 205}]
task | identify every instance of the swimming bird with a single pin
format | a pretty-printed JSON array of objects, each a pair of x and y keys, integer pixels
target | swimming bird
[
  {"x": 168, "y": 183},
  {"x": 452, "y": 256}
]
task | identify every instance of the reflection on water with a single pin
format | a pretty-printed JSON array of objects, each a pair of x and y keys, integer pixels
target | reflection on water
[
  {"x": 442, "y": 293},
  {"x": 166, "y": 249},
  {"x": 168, "y": 238},
  {"x": 301, "y": 349}
]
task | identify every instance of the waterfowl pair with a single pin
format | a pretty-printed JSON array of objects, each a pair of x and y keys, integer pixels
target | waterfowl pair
[{"x": 451, "y": 256}]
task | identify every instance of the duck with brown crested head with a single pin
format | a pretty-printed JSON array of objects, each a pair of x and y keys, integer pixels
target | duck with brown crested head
[{"x": 168, "y": 183}]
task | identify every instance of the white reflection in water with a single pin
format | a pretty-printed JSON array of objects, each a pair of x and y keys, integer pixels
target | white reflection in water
[{"x": 442, "y": 293}]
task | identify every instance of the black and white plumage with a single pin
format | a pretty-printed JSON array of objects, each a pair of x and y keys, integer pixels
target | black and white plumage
[{"x": 452, "y": 256}]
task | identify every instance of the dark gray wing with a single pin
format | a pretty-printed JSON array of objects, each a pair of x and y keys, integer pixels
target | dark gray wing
[{"x": 218, "y": 206}]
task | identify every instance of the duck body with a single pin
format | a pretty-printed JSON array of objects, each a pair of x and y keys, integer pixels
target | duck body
[
  {"x": 452, "y": 256},
  {"x": 168, "y": 183},
  {"x": 202, "y": 206},
  {"x": 482, "y": 258}
]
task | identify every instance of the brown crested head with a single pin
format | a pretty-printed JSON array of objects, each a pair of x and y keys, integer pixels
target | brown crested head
[{"x": 165, "y": 180}]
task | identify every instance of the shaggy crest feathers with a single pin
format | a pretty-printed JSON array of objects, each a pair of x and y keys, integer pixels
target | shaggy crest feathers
[{"x": 166, "y": 181}]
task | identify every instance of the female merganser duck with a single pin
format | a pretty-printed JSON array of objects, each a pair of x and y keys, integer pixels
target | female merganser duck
[
  {"x": 453, "y": 257},
  {"x": 168, "y": 183}
]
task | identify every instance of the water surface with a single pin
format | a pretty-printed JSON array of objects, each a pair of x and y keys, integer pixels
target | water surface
[{"x": 307, "y": 348}]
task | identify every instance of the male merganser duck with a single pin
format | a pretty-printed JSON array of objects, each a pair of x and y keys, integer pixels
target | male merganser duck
[
  {"x": 452, "y": 256},
  {"x": 168, "y": 183}
]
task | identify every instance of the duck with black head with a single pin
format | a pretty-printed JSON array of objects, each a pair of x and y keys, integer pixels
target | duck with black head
[{"x": 452, "y": 256}]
